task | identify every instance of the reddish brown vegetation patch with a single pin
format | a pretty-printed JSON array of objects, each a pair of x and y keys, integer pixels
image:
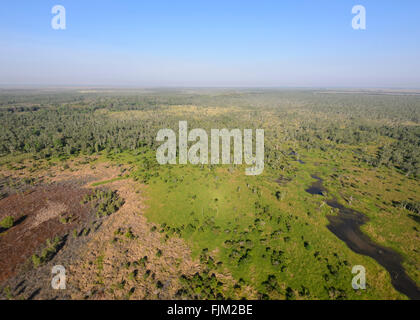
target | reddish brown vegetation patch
[{"x": 37, "y": 214}]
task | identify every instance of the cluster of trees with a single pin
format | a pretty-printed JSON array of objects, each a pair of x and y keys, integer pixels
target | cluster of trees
[
  {"x": 66, "y": 123},
  {"x": 106, "y": 202},
  {"x": 414, "y": 207},
  {"x": 69, "y": 131},
  {"x": 51, "y": 248},
  {"x": 404, "y": 152}
]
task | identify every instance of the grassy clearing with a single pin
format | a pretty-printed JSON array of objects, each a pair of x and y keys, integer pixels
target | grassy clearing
[
  {"x": 272, "y": 236},
  {"x": 258, "y": 230}
]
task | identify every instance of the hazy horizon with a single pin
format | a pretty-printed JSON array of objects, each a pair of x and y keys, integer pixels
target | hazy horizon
[{"x": 239, "y": 44}]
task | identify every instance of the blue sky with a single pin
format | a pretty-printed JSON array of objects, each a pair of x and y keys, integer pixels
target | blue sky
[{"x": 283, "y": 43}]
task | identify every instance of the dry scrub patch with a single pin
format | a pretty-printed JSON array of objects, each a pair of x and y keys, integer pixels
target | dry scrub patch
[
  {"x": 87, "y": 174},
  {"x": 51, "y": 211},
  {"x": 111, "y": 265},
  {"x": 36, "y": 220}
]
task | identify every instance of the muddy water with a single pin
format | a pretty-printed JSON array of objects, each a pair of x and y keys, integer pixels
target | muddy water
[{"x": 346, "y": 226}]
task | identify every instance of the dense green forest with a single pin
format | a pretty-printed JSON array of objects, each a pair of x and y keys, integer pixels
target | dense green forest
[{"x": 60, "y": 124}]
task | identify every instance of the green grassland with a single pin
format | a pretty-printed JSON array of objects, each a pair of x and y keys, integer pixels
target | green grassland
[
  {"x": 266, "y": 232},
  {"x": 254, "y": 228}
]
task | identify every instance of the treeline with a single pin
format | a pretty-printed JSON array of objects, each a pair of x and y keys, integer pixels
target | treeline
[
  {"x": 402, "y": 151},
  {"x": 68, "y": 130},
  {"x": 66, "y": 123}
]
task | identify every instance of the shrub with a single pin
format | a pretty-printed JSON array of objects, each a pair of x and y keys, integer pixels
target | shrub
[
  {"x": 7, "y": 222},
  {"x": 36, "y": 260},
  {"x": 129, "y": 234},
  {"x": 8, "y": 293},
  {"x": 52, "y": 247}
]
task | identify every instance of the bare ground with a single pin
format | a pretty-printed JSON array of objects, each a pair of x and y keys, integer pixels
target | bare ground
[{"x": 104, "y": 264}]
